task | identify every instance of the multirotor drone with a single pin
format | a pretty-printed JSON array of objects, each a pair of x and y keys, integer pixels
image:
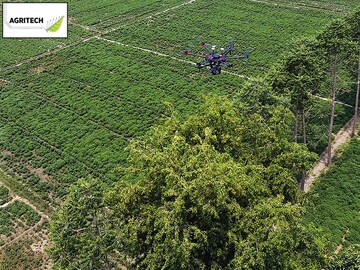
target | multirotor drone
[{"x": 215, "y": 60}]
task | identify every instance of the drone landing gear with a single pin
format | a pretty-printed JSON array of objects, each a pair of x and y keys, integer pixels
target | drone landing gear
[{"x": 215, "y": 70}]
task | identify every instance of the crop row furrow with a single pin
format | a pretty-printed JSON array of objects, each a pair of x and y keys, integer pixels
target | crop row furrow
[
  {"x": 48, "y": 145},
  {"x": 304, "y": 5}
]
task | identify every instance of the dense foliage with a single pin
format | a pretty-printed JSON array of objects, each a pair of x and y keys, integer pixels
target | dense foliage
[
  {"x": 218, "y": 177},
  {"x": 4, "y": 195},
  {"x": 216, "y": 191}
]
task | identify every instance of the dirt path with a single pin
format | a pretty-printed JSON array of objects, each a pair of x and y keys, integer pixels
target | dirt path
[
  {"x": 343, "y": 136},
  {"x": 9, "y": 202},
  {"x": 15, "y": 197},
  {"x": 23, "y": 234}
]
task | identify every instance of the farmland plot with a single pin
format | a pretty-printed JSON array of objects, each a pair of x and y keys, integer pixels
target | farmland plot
[
  {"x": 71, "y": 113},
  {"x": 335, "y": 200},
  {"x": 84, "y": 18},
  {"x": 23, "y": 231},
  {"x": 335, "y": 5},
  {"x": 15, "y": 50},
  {"x": 268, "y": 29},
  {"x": 74, "y": 116}
]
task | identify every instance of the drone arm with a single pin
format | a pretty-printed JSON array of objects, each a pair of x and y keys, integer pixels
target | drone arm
[
  {"x": 227, "y": 64},
  {"x": 230, "y": 49},
  {"x": 202, "y": 64},
  {"x": 193, "y": 54},
  {"x": 244, "y": 56},
  {"x": 237, "y": 57}
]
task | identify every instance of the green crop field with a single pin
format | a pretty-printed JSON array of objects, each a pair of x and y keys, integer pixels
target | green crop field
[
  {"x": 68, "y": 107},
  {"x": 268, "y": 29},
  {"x": 73, "y": 119},
  {"x": 335, "y": 200}
]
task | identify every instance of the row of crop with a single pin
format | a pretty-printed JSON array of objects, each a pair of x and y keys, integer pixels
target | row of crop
[
  {"x": 4, "y": 195},
  {"x": 29, "y": 149},
  {"x": 112, "y": 13},
  {"x": 64, "y": 157},
  {"x": 61, "y": 128},
  {"x": 41, "y": 187},
  {"x": 15, "y": 50},
  {"x": 334, "y": 5},
  {"x": 16, "y": 215},
  {"x": 267, "y": 29},
  {"x": 335, "y": 200},
  {"x": 27, "y": 253}
]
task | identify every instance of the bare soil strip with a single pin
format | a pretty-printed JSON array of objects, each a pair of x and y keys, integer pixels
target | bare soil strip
[
  {"x": 25, "y": 233},
  {"x": 25, "y": 201},
  {"x": 9, "y": 202},
  {"x": 342, "y": 137}
]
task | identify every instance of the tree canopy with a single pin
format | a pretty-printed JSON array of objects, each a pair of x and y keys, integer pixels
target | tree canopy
[{"x": 216, "y": 191}]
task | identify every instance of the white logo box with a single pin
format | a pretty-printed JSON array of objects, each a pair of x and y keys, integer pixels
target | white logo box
[{"x": 35, "y": 20}]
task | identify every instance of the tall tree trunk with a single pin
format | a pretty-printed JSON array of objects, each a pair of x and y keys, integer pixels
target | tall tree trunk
[
  {"x": 356, "y": 101},
  {"x": 296, "y": 126},
  {"x": 333, "y": 74},
  {"x": 303, "y": 125}
]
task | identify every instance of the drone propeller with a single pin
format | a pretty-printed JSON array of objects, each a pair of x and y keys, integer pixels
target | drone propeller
[
  {"x": 186, "y": 51},
  {"x": 198, "y": 40}
]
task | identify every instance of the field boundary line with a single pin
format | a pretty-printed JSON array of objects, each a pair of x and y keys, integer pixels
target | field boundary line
[
  {"x": 14, "y": 199},
  {"x": 147, "y": 18},
  {"x": 86, "y": 38},
  {"x": 50, "y": 52},
  {"x": 337, "y": 102},
  {"x": 171, "y": 8},
  {"x": 299, "y": 5},
  {"x": 23, "y": 234},
  {"x": 167, "y": 55}
]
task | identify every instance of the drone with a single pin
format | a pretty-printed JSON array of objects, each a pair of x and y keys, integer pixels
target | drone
[{"x": 215, "y": 60}]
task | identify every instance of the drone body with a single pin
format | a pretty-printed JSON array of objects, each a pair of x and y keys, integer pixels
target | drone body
[{"x": 215, "y": 60}]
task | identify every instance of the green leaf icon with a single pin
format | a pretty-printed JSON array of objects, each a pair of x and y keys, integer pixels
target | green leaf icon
[{"x": 56, "y": 25}]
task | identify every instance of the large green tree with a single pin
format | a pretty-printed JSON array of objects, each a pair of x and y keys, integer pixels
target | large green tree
[
  {"x": 298, "y": 76},
  {"x": 215, "y": 191},
  {"x": 336, "y": 44}
]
